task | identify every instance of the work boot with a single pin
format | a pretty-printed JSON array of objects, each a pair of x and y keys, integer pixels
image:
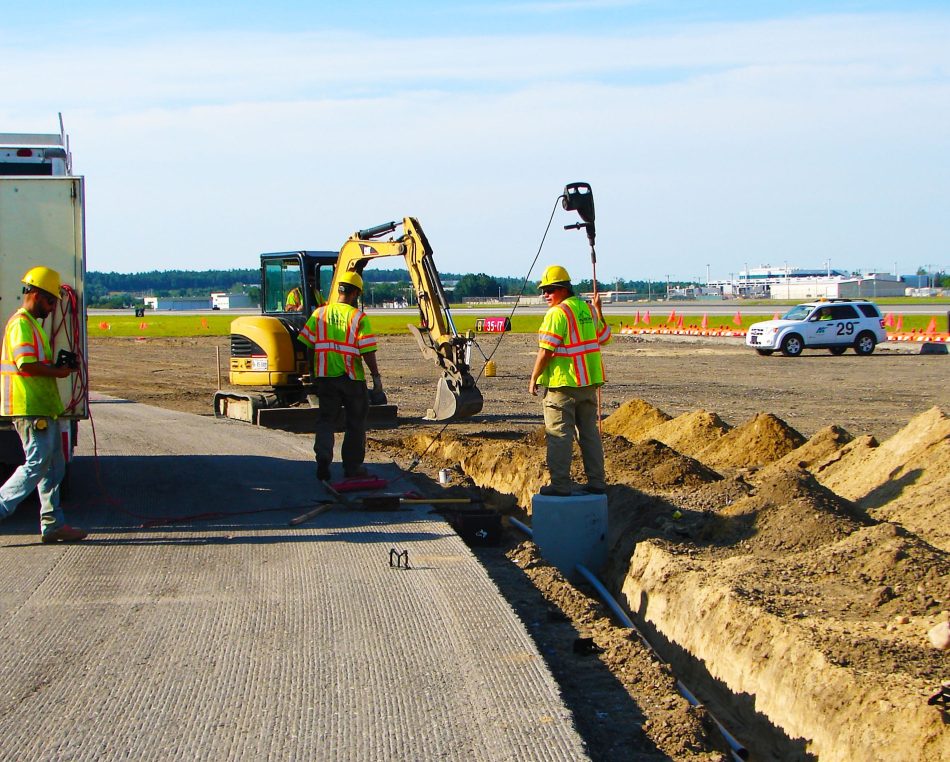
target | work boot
[
  {"x": 359, "y": 472},
  {"x": 323, "y": 472},
  {"x": 550, "y": 491},
  {"x": 590, "y": 489},
  {"x": 65, "y": 533}
]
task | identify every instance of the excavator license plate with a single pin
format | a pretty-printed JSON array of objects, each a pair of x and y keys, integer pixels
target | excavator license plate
[{"x": 493, "y": 325}]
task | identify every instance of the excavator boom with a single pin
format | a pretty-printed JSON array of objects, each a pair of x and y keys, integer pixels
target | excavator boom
[{"x": 457, "y": 396}]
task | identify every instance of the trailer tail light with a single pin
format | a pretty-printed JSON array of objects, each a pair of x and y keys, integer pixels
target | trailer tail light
[{"x": 24, "y": 152}]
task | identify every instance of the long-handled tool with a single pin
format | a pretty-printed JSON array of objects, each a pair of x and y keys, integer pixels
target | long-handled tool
[
  {"x": 578, "y": 197},
  {"x": 326, "y": 506},
  {"x": 394, "y": 502}
]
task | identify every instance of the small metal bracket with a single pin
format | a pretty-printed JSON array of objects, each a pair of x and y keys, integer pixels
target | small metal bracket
[{"x": 398, "y": 560}]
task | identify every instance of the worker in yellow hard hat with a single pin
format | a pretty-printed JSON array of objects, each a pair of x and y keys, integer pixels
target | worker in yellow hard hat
[
  {"x": 29, "y": 395},
  {"x": 341, "y": 338},
  {"x": 294, "y": 301},
  {"x": 569, "y": 367}
]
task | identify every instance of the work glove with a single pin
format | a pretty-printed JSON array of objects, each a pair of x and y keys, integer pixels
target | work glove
[{"x": 376, "y": 395}]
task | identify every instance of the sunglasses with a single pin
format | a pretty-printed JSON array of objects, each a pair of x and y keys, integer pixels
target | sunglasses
[{"x": 548, "y": 290}]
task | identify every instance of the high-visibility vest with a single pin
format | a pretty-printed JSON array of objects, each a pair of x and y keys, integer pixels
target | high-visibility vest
[
  {"x": 25, "y": 341},
  {"x": 339, "y": 335},
  {"x": 570, "y": 330},
  {"x": 294, "y": 300}
]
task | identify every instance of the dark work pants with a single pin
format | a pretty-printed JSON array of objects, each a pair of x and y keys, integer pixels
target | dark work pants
[{"x": 352, "y": 396}]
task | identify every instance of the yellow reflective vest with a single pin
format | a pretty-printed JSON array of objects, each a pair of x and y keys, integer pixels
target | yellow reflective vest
[
  {"x": 25, "y": 341},
  {"x": 570, "y": 330},
  {"x": 339, "y": 335}
]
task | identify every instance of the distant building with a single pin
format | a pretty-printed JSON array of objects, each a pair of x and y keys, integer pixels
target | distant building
[
  {"x": 173, "y": 303},
  {"x": 222, "y": 301},
  {"x": 798, "y": 284}
]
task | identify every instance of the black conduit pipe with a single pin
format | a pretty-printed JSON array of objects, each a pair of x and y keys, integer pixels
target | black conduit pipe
[{"x": 739, "y": 752}]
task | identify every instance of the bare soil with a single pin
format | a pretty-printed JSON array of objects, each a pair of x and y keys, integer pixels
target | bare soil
[{"x": 779, "y": 528}]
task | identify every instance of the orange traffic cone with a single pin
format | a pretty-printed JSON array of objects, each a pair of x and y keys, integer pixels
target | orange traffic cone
[
  {"x": 672, "y": 317},
  {"x": 900, "y": 324},
  {"x": 737, "y": 318},
  {"x": 931, "y": 326},
  {"x": 637, "y": 321},
  {"x": 889, "y": 320},
  {"x": 646, "y": 318},
  {"x": 679, "y": 323},
  {"x": 705, "y": 323}
]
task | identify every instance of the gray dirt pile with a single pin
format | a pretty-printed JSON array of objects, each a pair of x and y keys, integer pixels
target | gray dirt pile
[
  {"x": 677, "y": 729},
  {"x": 789, "y": 510},
  {"x": 650, "y": 465}
]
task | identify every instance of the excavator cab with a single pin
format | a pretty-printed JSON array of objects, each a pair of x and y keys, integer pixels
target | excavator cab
[
  {"x": 293, "y": 284},
  {"x": 264, "y": 350}
]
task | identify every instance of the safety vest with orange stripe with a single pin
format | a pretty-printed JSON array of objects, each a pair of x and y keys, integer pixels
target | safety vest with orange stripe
[
  {"x": 25, "y": 341},
  {"x": 571, "y": 332},
  {"x": 339, "y": 335}
]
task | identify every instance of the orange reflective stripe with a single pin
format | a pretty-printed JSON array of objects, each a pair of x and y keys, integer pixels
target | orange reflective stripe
[{"x": 574, "y": 347}]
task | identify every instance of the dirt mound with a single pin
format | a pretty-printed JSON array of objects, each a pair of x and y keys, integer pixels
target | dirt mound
[
  {"x": 759, "y": 441},
  {"x": 905, "y": 480},
  {"x": 651, "y": 465},
  {"x": 790, "y": 510},
  {"x": 633, "y": 419},
  {"x": 817, "y": 449},
  {"x": 690, "y": 433}
]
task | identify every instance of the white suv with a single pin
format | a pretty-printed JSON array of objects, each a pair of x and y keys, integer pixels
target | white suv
[{"x": 832, "y": 324}]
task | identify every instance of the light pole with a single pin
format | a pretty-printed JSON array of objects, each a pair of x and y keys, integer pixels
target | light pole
[
  {"x": 707, "y": 276},
  {"x": 787, "y": 286}
]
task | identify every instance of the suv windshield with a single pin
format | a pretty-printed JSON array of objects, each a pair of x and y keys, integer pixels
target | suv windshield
[{"x": 798, "y": 313}]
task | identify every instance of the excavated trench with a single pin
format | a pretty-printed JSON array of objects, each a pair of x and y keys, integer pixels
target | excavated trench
[{"x": 790, "y": 584}]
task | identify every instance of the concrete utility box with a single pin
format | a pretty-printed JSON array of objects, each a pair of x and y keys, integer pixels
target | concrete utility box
[{"x": 570, "y": 531}]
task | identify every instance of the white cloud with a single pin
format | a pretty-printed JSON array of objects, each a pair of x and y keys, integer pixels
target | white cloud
[{"x": 730, "y": 142}]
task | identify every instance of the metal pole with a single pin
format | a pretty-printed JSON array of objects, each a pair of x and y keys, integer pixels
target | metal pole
[{"x": 217, "y": 363}]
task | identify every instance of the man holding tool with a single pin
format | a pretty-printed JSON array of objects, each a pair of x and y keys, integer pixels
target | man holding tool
[
  {"x": 570, "y": 368},
  {"x": 341, "y": 338},
  {"x": 29, "y": 395}
]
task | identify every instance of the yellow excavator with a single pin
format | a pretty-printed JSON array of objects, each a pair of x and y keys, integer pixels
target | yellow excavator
[{"x": 266, "y": 355}]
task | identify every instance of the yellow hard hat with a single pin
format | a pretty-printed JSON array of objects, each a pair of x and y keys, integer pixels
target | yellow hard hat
[
  {"x": 555, "y": 275},
  {"x": 45, "y": 279},
  {"x": 352, "y": 279}
]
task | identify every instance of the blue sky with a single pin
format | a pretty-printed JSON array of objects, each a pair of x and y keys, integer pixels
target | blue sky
[{"x": 712, "y": 134}]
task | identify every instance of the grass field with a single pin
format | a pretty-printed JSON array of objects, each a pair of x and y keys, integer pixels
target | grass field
[{"x": 387, "y": 325}]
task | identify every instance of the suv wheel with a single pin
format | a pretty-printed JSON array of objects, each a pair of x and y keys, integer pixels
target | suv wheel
[
  {"x": 865, "y": 343},
  {"x": 792, "y": 345},
  {"x": 837, "y": 350}
]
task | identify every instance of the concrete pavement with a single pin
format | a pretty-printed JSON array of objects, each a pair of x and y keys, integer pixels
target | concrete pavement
[{"x": 235, "y": 636}]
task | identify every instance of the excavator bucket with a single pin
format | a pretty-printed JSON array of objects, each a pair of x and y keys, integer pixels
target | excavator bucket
[{"x": 453, "y": 401}]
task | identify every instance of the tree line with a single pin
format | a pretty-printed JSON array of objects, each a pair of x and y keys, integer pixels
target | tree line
[{"x": 122, "y": 290}]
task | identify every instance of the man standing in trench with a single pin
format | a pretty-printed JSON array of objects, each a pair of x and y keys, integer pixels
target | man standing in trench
[
  {"x": 570, "y": 367},
  {"x": 28, "y": 394},
  {"x": 341, "y": 338}
]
